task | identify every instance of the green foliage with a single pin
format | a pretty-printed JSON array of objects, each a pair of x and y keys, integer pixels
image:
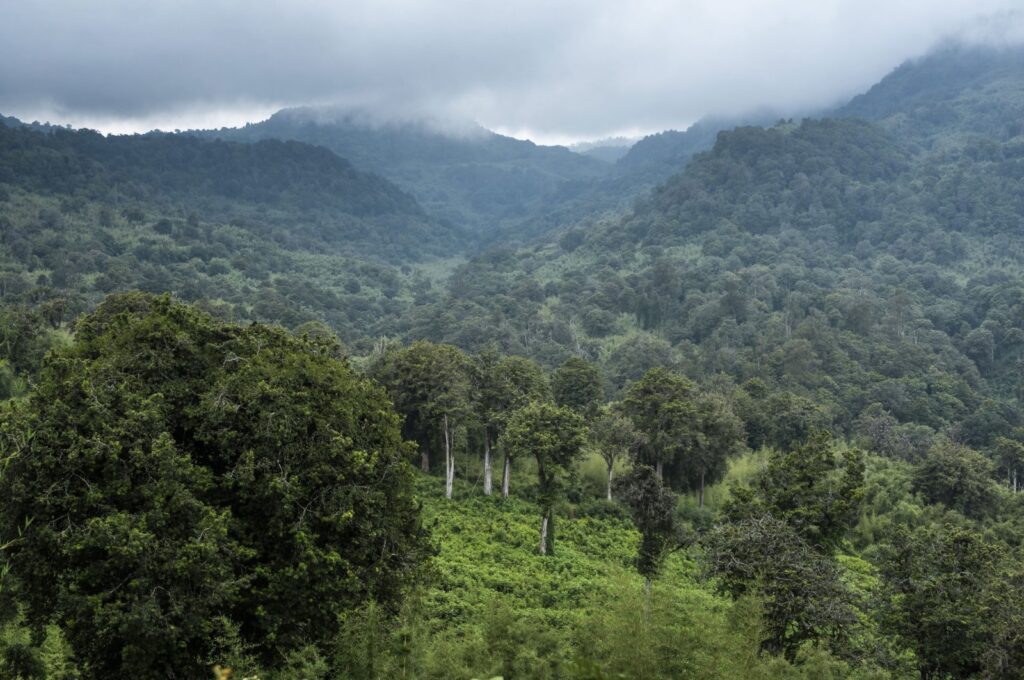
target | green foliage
[
  {"x": 815, "y": 488},
  {"x": 802, "y": 591},
  {"x": 661, "y": 406},
  {"x": 175, "y": 469},
  {"x": 555, "y": 437},
  {"x": 957, "y": 477},
  {"x": 940, "y": 579},
  {"x": 653, "y": 509},
  {"x": 577, "y": 385}
]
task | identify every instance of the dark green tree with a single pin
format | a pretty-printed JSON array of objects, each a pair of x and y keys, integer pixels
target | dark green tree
[
  {"x": 958, "y": 477},
  {"x": 430, "y": 385},
  {"x": 801, "y": 590},
  {"x": 173, "y": 479},
  {"x": 501, "y": 385},
  {"x": 577, "y": 384},
  {"x": 937, "y": 578},
  {"x": 816, "y": 489},
  {"x": 661, "y": 406},
  {"x": 614, "y": 438},
  {"x": 555, "y": 437},
  {"x": 652, "y": 507}
]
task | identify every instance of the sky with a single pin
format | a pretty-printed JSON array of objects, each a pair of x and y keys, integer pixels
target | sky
[{"x": 555, "y": 71}]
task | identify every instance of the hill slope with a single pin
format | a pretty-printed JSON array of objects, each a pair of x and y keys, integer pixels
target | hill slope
[
  {"x": 949, "y": 95},
  {"x": 471, "y": 177},
  {"x": 279, "y": 231},
  {"x": 824, "y": 258}
]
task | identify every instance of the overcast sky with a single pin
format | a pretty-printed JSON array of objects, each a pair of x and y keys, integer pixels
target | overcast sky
[{"x": 551, "y": 70}]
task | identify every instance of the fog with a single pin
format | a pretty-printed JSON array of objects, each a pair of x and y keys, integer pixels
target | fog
[{"x": 552, "y": 71}]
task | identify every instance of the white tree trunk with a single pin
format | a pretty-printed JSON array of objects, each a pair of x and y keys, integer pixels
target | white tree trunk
[
  {"x": 544, "y": 534},
  {"x": 449, "y": 461},
  {"x": 425, "y": 460},
  {"x": 701, "y": 488},
  {"x": 658, "y": 468},
  {"x": 610, "y": 472},
  {"x": 487, "y": 462},
  {"x": 505, "y": 476}
]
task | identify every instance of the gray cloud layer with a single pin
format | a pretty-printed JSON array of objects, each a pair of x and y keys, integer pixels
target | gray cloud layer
[{"x": 550, "y": 68}]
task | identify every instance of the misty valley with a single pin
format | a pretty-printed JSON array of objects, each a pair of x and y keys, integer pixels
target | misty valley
[{"x": 344, "y": 395}]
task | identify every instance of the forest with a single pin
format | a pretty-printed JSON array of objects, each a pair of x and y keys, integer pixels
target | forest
[{"x": 316, "y": 399}]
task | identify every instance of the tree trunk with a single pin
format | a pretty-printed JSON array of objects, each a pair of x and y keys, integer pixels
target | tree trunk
[
  {"x": 610, "y": 481},
  {"x": 449, "y": 461},
  {"x": 701, "y": 503},
  {"x": 487, "y": 462},
  {"x": 658, "y": 469},
  {"x": 505, "y": 476},
  {"x": 425, "y": 460},
  {"x": 544, "y": 533}
]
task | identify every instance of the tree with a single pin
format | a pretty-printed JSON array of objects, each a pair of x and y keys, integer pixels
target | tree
[
  {"x": 793, "y": 419},
  {"x": 555, "y": 436},
  {"x": 653, "y": 508},
  {"x": 801, "y": 591},
  {"x": 430, "y": 385},
  {"x": 814, "y": 488},
  {"x": 936, "y": 578},
  {"x": 577, "y": 384},
  {"x": 1010, "y": 455},
  {"x": 614, "y": 438},
  {"x": 718, "y": 436},
  {"x": 661, "y": 407},
  {"x": 502, "y": 385},
  {"x": 958, "y": 477},
  {"x": 173, "y": 479}
]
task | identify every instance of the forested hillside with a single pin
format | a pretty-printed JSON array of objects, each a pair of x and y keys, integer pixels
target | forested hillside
[
  {"x": 274, "y": 231},
  {"x": 470, "y": 176}
]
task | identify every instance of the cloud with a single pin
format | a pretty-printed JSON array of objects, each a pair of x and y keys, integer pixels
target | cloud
[{"x": 555, "y": 68}]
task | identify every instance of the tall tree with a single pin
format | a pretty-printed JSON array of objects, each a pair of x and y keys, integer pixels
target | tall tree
[
  {"x": 718, "y": 437},
  {"x": 1010, "y": 457},
  {"x": 653, "y": 508},
  {"x": 661, "y": 406},
  {"x": 614, "y": 438},
  {"x": 555, "y": 436},
  {"x": 502, "y": 385},
  {"x": 577, "y": 384},
  {"x": 430, "y": 385}
]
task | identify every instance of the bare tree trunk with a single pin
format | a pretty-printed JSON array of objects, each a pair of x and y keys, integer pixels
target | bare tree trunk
[
  {"x": 449, "y": 461},
  {"x": 425, "y": 460},
  {"x": 610, "y": 472},
  {"x": 505, "y": 476},
  {"x": 701, "y": 504},
  {"x": 658, "y": 469},
  {"x": 544, "y": 533},
  {"x": 487, "y": 462}
]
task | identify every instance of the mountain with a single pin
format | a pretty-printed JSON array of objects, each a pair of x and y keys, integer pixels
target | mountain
[
  {"x": 949, "y": 95},
  {"x": 657, "y": 157},
  {"x": 825, "y": 258},
  {"x": 273, "y": 230},
  {"x": 608, "y": 150},
  {"x": 470, "y": 176}
]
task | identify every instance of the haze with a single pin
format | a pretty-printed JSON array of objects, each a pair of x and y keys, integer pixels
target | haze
[{"x": 555, "y": 72}]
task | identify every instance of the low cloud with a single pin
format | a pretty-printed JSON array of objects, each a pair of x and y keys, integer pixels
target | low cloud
[{"x": 549, "y": 69}]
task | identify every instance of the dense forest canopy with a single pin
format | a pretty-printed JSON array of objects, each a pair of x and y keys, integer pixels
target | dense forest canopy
[{"x": 762, "y": 420}]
